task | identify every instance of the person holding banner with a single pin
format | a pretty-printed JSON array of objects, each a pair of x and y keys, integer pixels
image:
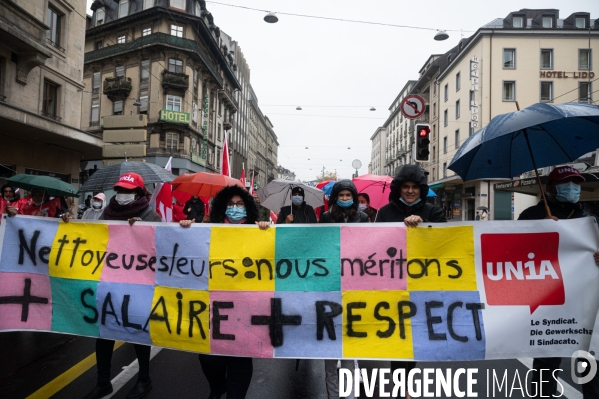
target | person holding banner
[
  {"x": 298, "y": 211},
  {"x": 229, "y": 374},
  {"x": 7, "y": 197},
  {"x": 563, "y": 195},
  {"x": 39, "y": 204},
  {"x": 343, "y": 208},
  {"x": 130, "y": 203},
  {"x": 365, "y": 207},
  {"x": 194, "y": 209},
  {"x": 98, "y": 203},
  {"x": 407, "y": 204}
]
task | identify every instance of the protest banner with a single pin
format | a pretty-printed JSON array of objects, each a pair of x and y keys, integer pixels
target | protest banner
[{"x": 455, "y": 291}]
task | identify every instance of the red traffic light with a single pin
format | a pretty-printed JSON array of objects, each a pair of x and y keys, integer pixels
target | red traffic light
[{"x": 423, "y": 132}]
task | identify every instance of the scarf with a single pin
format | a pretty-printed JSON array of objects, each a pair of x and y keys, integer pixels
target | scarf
[{"x": 116, "y": 211}]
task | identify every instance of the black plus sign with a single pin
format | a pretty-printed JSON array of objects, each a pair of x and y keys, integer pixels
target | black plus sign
[
  {"x": 276, "y": 321},
  {"x": 24, "y": 300}
]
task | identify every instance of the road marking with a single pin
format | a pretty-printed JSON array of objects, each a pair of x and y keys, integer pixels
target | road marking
[
  {"x": 569, "y": 391},
  {"x": 68, "y": 376},
  {"x": 128, "y": 373}
]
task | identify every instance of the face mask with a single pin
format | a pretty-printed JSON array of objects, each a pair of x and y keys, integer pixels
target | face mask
[
  {"x": 568, "y": 192},
  {"x": 363, "y": 207},
  {"x": 97, "y": 205},
  {"x": 235, "y": 214},
  {"x": 38, "y": 203},
  {"x": 345, "y": 204},
  {"x": 413, "y": 203},
  {"x": 297, "y": 200},
  {"x": 124, "y": 199}
]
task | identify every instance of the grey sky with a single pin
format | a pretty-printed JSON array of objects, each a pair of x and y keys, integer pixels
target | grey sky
[{"x": 337, "y": 70}]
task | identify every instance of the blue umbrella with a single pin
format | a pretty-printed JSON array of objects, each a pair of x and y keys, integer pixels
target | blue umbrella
[
  {"x": 328, "y": 188},
  {"x": 431, "y": 193},
  {"x": 538, "y": 136}
]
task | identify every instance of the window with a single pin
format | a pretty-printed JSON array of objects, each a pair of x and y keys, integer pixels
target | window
[
  {"x": 172, "y": 141},
  {"x": 146, "y": 31},
  {"x": 49, "y": 106},
  {"x": 144, "y": 100},
  {"x": 434, "y": 89},
  {"x": 148, "y": 4},
  {"x": 100, "y": 14},
  {"x": 123, "y": 8},
  {"x": 95, "y": 116},
  {"x": 509, "y": 91},
  {"x": 470, "y": 130},
  {"x": 117, "y": 107},
  {"x": 173, "y": 103},
  {"x": 120, "y": 71},
  {"x": 53, "y": 34},
  {"x": 198, "y": 9},
  {"x": 457, "y": 81},
  {"x": 446, "y": 91},
  {"x": 121, "y": 38},
  {"x": 434, "y": 152},
  {"x": 457, "y": 138},
  {"x": 445, "y": 145},
  {"x": 145, "y": 71},
  {"x": 218, "y": 158},
  {"x": 445, "y": 118},
  {"x": 177, "y": 30},
  {"x": 219, "y": 132},
  {"x": 457, "y": 109},
  {"x": 518, "y": 22},
  {"x": 546, "y": 59},
  {"x": 434, "y": 110},
  {"x": 96, "y": 82},
  {"x": 585, "y": 92},
  {"x": 471, "y": 100},
  {"x": 444, "y": 169},
  {"x": 581, "y": 22},
  {"x": 175, "y": 65},
  {"x": 98, "y": 44},
  {"x": 178, "y": 4},
  {"x": 546, "y": 91},
  {"x": 547, "y": 22},
  {"x": 196, "y": 79},
  {"x": 584, "y": 59},
  {"x": 509, "y": 58}
]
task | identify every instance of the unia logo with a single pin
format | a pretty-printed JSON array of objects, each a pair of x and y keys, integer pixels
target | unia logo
[
  {"x": 128, "y": 178},
  {"x": 522, "y": 269}
]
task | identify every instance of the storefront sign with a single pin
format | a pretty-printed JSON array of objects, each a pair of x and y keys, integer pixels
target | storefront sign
[
  {"x": 205, "y": 126},
  {"x": 515, "y": 183},
  {"x": 474, "y": 122},
  {"x": 562, "y": 74},
  {"x": 174, "y": 116}
]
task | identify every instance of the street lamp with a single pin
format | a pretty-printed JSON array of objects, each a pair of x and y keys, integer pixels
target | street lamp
[
  {"x": 298, "y": 108},
  {"x": 271, "y": 18},
  {"x": 441, "y": 35}
]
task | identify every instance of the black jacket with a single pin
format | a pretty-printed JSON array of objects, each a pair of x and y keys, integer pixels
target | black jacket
[
  {"x": 302, "y": 214},
  {"x": 194, "y": 209},
  {"x": 352, "y": 214},
  {"x": 561, "y": 210},
  {"x": 360, "y": 217},
  {"x": 221, "y": 199},
  {"x": 397, "y": 211}
]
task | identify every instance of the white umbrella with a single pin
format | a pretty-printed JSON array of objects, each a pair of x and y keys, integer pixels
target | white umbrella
[{"x": 277, "y": 194}]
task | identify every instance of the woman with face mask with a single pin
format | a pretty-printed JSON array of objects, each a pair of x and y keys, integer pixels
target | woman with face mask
[
  {"x": 228, "y": 374},
  {"x": 364, "y": 206},
  {"x": 98, "y": 203},
  {"x": 343, "y": 208},
  {"x": 298, "y": 211}
]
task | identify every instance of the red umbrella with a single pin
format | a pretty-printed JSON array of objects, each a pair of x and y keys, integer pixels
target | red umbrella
[
  {"x": 203, "y": 184},
  {"x": 377, "y": 188},
  {"x": 323, "y": 183}
]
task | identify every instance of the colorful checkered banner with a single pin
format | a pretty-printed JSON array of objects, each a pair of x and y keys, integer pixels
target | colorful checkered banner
[{"x": 455, "y": 291}]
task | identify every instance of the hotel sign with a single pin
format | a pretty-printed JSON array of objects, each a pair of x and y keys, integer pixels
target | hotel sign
[
  {"x": 174, "y": 116},
  {"x": 562, "y": 74},
  {"x": 474, "y": 76}
]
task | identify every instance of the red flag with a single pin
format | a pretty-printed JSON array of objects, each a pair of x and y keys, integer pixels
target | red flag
[
  {"x": 273, "y": 217},
  {"x": 252, "y": 184},
  {"x": 224, "y": 163},
  {"x": 242, "y": 179},
  {"x": 162, "y": 201}
]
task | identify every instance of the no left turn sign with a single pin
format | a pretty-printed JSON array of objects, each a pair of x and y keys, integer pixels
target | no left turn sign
[{"x": 413, "y": 106}]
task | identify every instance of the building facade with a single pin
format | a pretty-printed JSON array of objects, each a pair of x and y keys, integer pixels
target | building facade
[
  {"x": 377, "y": 154},
  {"x": 284, "y": 173},
  {"x": 168, "y": 60},
  {"x": 41, "y": 86}
]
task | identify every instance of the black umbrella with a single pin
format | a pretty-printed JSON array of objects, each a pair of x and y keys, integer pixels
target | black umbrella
[
  {"x": 482, "y": 208},
  {"x": 105, "y": 178}
]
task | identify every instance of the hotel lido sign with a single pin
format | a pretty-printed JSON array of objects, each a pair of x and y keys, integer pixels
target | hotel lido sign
[
  {"x": 174, "y": 116},
  {"x": 562, "y": 74}
]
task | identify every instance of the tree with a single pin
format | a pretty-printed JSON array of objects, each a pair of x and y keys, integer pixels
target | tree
[{"x": 327, "y": 176}]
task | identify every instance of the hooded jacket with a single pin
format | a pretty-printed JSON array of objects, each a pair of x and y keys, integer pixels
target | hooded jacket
[
  {"x": 301, "y": 214},
  {"x": 221, "y": 199},
  {"x": 94, "y": 214},
  {"x": 359, "y": 217},
  {"x": 397, "y": 211},
  {"x": 194, "y": 209}
]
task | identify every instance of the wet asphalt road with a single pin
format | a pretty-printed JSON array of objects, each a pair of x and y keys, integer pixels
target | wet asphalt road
[{"x": 29, "y": 360}]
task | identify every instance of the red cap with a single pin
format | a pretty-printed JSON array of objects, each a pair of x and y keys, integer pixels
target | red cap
[
  {"x": 130, "y": 181},
  {"x": 563, "y": 172}
]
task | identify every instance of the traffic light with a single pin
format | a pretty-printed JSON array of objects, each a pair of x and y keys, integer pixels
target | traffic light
[{"x": 423, "y": 142}]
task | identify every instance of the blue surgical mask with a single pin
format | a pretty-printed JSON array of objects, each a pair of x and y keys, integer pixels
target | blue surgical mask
[
  {"x": 235, "y": 214},
  {"x": 413, "y": 203},
  {"x": 363, "y": 207},
  {"x": 297, "y": 200},
  {"x": 345, "y": 204},
  {"x": 568, "y": 192}
]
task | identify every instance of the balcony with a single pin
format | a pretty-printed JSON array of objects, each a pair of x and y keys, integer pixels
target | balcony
[
  {"x": 227, "y": 126},
  {"x": 227, "y": 96},
  {"x": 117, "y": 88},
  {"x": 175, "y": 81}
]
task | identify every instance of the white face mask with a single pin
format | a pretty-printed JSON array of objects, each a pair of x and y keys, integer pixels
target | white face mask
[
  {"x": 97, "y": 205},
  {"x": 124, "y": 199}
]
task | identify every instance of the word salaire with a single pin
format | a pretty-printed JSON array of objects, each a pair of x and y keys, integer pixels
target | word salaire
[{"x": 456, "y": 291}]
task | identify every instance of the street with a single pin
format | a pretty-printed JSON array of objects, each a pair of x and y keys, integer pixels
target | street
[{"x": 47, "y": 365}]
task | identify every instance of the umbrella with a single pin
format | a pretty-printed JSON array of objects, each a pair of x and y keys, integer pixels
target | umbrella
[
  {"x": 105, "y": 178},
  {"x": 203, "y": 184},
  {"x": 277, "y": 194},
  {"x": 538, "y": 136},
  {"x": 328, "y": 187},
  {"x": 377, "y": 188},
  {"x": 51, "y": 185},
  {"x": 323, "y": 183},
  {"x": 482, "y": 208},
  {"x": 431, "y": 193}
]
